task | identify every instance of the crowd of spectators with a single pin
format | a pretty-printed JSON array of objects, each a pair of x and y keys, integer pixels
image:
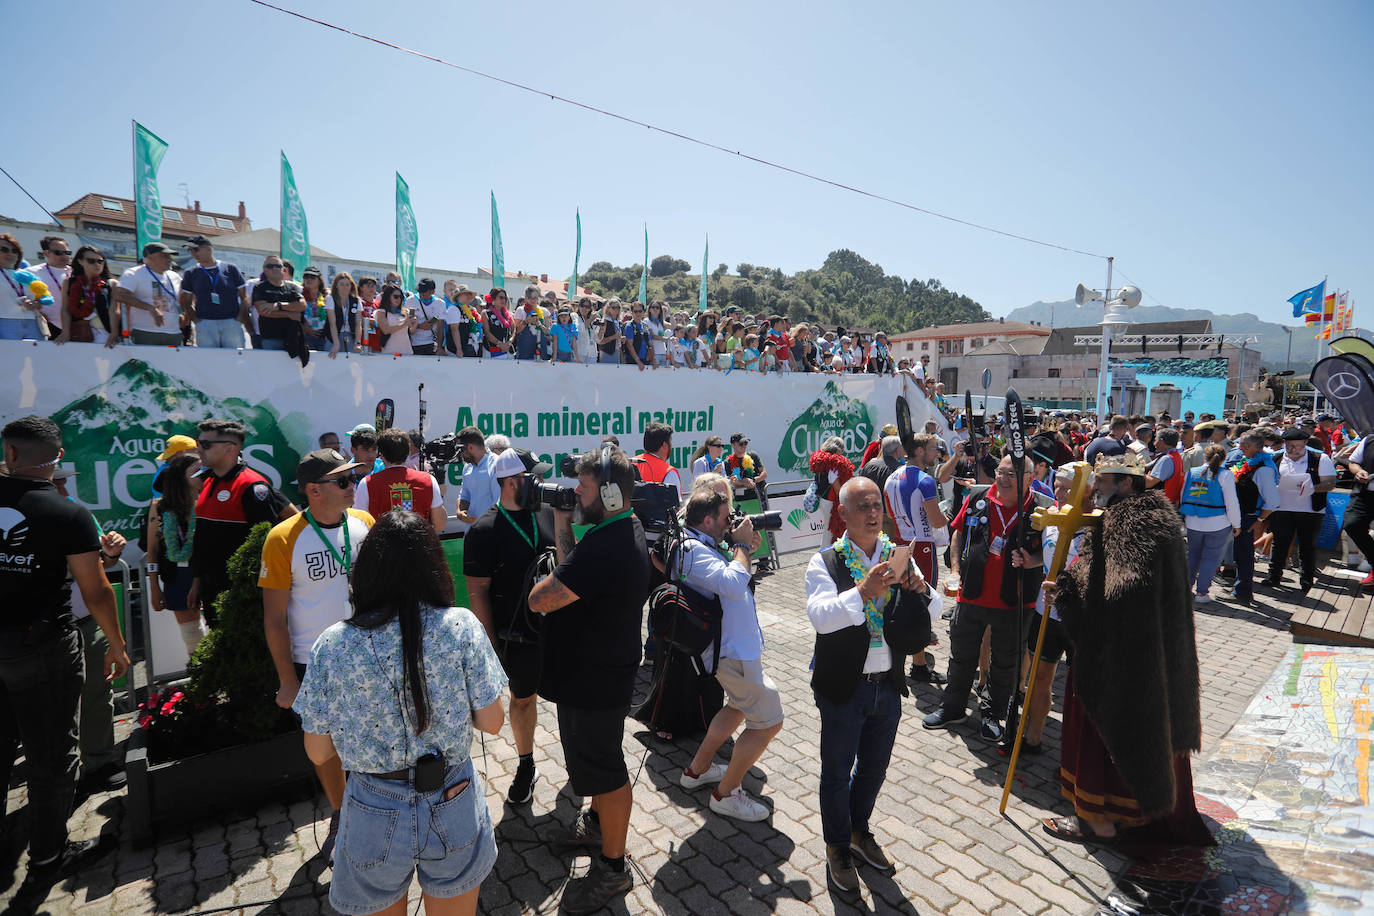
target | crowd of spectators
[{"x": 212, "y": 304}]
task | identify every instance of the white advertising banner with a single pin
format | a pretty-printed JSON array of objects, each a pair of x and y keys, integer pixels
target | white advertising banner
[{"x": 117, "y": 407}]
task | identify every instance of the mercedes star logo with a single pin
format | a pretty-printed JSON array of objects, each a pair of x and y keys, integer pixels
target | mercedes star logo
[{"x": 1344, "y": 385}]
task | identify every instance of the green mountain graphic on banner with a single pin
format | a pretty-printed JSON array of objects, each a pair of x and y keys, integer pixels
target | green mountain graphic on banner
[
  {"x": 834, "y": 413},
  {"x": 114, "y": 432}
]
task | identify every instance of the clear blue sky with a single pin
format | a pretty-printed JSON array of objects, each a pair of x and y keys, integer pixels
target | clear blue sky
[{"x": 1221, "y": 151}]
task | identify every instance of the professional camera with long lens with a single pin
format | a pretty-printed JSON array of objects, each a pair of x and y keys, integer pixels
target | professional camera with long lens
[
  {"x": 441, "y": 451},
  {"x": 554, "y": 496},
  {"x": 762, "y": 521},
  {"x": 652, "y": 503}
]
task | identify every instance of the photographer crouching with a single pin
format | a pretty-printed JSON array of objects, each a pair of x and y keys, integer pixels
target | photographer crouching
[
  {"x": 599, "y": 587},
  {"x": 752, "y": 697}
]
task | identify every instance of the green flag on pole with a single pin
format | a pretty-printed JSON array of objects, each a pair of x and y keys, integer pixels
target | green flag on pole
[
  {"x": 705, "y": 259},
  {"x": 295, "y": 233},
  {"x": 577, "y": 256},
  {"x": 498, "y": 255},
  {"x": 407, "y": 235},
  {"x": 644, "y": 277},
  {"x": 148, "y": 151}
]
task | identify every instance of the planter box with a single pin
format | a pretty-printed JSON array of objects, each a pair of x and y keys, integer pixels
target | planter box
[{"x": 235, "y": 777}]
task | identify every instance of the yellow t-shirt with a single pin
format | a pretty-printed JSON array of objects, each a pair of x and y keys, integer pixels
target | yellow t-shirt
[{"x": 295, "y": 558}]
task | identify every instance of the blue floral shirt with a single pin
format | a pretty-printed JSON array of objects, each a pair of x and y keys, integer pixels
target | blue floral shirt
[{"x": 351, "y": 690}]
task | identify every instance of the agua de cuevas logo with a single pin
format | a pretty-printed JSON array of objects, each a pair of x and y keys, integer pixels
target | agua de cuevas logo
[{"x": 834, "y": 413}]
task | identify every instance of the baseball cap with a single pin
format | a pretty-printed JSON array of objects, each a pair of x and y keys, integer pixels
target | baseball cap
[
  {"x": 176, "y": 444},
  {"x": 197, "y": 241},
  {"x": 425, "y": 285},
  {"x": 515, "y": 461},
  {"x": 157, "y": 248},
  {"x": 321, "y": 464},
  {"x": 362, "y": 428},
  {"x": 739, "y": 439}
]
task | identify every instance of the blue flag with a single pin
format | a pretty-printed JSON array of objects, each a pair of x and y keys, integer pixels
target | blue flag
[{"x": 1309, "y": 300}]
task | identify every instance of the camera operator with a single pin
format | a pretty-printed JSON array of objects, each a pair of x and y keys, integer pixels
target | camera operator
[
  {"x": 752, "y": 697},
  {"x": 397, "y": 486},
  {"x": 498, "y": 551},
  {"x": 600, "y": 587},
  {"x": 652, "y": 463}
]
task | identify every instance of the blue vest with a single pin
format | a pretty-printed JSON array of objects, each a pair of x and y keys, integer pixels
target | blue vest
[{"x": 1202, "y": 494}]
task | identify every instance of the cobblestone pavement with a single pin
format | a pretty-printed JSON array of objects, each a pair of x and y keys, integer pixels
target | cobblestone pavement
[{"x": 937, "y": 815}]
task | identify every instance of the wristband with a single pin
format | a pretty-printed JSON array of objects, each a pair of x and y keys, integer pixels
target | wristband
[{"x": 151, "y": 567}]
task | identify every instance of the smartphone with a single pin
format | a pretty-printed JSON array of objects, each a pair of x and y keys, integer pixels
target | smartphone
[{"x": 900, "y": 561}]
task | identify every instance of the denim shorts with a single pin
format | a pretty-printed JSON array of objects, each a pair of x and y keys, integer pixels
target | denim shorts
[{"x": 388, "y": 831}]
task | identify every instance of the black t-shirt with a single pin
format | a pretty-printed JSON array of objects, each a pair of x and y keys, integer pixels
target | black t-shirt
[
  {"x": 878, "y": 469},
  {"x": 592, "y": 646},
  {"x": 39, "y": 529},
  {"x": 277, "y": 328},
  {"x": 493, "y": 549}
]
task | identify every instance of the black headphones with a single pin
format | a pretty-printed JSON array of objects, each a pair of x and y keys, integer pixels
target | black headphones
[{"x": 611, "y": 497}]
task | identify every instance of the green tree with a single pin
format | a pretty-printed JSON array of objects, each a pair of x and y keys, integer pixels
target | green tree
[{"x": 745, "y": 296}]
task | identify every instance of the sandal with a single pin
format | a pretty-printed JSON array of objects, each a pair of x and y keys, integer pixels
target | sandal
[{"x": 1075, "y": 830}]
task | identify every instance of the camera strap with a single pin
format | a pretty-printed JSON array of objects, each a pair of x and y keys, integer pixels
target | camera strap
[{"x": 533, "y": 537}]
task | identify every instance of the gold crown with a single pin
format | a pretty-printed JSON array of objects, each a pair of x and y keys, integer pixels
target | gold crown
[{"x": 1127, "y": 462}]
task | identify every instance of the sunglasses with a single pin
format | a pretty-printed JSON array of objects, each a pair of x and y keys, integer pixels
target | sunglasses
[
  {"x": 59, "y": 254},
  {"x": 343, "y": 483},
  {"x": 211, "y": 443},
  {"x": 273, "y": 266},
  {"x": 93, "y": 260}
]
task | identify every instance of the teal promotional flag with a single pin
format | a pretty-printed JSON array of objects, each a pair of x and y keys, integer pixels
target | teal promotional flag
[
  {"x": 148, "y": 151},
  {"x": 407, "y": 234},
  {"x": 295, "y": 234},
  {"x": 577, "y": 256},
  {"x": 705, "y": 259},
  {"x": 644, "y": 277},
  {"x": 498, "y": 255}
]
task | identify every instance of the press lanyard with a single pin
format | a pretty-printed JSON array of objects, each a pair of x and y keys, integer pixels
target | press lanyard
[
  {"x": 606, "y": 521},
  {"x": 533, "y": 537},
  {"x": 1003, "y": 519},
  {"x": 18, "y": 289},
  {"x": 158, "y": 281},
  {"x": 346, "y": 561},
  {"x": 56, "y": 283}
]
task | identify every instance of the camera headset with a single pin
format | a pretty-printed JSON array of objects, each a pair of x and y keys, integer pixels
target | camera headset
[{"x": 612, "y": 499}]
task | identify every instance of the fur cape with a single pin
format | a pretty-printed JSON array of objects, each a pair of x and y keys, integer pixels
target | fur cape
[{"x": 1128, "y": 610}]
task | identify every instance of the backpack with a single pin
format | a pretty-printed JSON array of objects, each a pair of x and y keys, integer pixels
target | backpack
[{"x": 684, "y": 618}]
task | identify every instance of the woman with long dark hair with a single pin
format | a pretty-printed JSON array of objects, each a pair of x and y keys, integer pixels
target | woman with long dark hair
[
  {"x": 86, "y": 298},
  {"x": 395, "y": 321},
  {"x": 395, "y": 691},
  {"x": 171, "y": 536}
]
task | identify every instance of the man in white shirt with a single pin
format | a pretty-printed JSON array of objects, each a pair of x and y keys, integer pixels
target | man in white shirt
[
  {"x": 56, "y": 268},
  {"x": 431, "y": 311},
  {"x": 150, "y": 295},
  {"x": 859, "y": 694},
  {"x": 752, "y": 699},
  {"x": 1305, "y": 476}
]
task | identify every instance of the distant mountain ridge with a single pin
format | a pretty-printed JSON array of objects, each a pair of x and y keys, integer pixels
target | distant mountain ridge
[{"x": 1273, "y": 340}]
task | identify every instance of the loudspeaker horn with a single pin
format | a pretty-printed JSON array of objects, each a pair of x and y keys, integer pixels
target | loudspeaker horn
[{"x": 1083, "y": 294}]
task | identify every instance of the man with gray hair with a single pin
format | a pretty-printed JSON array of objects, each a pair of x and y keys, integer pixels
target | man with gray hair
[
  {"x": 890, "y": 457},
  {"x": 532, "y": 327}
]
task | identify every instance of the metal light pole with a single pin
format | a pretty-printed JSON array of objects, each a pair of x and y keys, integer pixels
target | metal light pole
[{"x": 1102, "y": 371}]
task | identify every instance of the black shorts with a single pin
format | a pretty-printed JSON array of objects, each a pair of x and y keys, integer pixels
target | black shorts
[
  {"x": 176, "y": 588},
  {"x": 1056, "y": 642},
  {"x": 522, "y": 662},
  {"x": 592, "y": 752}
]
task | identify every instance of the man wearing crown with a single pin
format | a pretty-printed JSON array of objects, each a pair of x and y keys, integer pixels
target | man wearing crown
[{"x": 1131, "y": 710}]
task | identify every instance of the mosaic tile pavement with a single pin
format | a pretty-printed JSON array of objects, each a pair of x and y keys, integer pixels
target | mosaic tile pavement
[{"x": 1288, "y": 792}]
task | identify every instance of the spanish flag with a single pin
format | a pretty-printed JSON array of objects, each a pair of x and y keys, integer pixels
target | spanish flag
[{"x": 1329, "y": 307}]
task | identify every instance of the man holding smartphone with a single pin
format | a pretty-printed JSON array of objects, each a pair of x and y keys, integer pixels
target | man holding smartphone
[{"x": 751, "y": 697}]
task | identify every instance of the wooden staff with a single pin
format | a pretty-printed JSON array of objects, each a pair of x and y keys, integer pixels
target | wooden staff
[{"x": 1069, "y": 518}]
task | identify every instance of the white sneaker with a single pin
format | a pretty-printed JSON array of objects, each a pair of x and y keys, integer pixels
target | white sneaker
[
  {"x": 714, "y": 774},
  {"x": 1202, "y": 599},
  {"x": 739, "y": 806}
]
